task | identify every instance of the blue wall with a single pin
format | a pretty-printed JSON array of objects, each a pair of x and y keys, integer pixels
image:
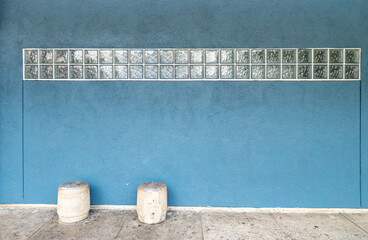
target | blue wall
[{"x": 289, "y": 144}]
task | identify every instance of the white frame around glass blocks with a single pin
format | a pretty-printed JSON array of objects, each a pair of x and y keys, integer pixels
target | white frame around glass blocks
[{"x": 226, "y": 59}]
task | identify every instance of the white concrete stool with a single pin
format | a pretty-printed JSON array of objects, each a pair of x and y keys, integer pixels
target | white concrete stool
[
  {"x": 73, "y": 201},
  {"x": 152, "y": 202}
]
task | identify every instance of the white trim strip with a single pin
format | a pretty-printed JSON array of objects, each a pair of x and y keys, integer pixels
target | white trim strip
[{"x": 319, "y": 58}]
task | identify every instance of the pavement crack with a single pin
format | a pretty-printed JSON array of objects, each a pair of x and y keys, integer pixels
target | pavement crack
[
  {"x": 346, "y": 217},
  {"x": 200, "y": 220},
  {"x": 43, "y": 225}
]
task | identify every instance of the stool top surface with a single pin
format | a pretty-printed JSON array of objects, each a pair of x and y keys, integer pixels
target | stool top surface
[
  {"x": 152, "y": 185},
  {"x": 73, "y": 185}
]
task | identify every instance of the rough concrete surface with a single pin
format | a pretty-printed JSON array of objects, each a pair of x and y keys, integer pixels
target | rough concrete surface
[{"x": 43, "y": 223}]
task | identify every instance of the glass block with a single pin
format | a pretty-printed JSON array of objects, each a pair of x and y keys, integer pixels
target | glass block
[
  {"x": 166, "y": 72},
  {"x": 151, "y": 56},
  {"x": 46, "y": 56},
  {"x": 46, "y": 72},
  {"x": 211, "y": 56},
  {"x": 289, "y": 71},
  {"x": 91, "y": 72},
  {"x": 352, "y": 72},
  {"x": 227, "y": 56},
  {"x": 305, "y": 56},
  {"x": 90, "y": 56},
  {"x": 76, "y": 56},
  {"x": 258, "y": 56},
  {"x": 151, "y": 71},
  {"x": 242, "y": 56},
  {"x": 166, "y": 56},
  {"x": 196, "y": 56},
  {"x": 31, "y": 56},
  {"x": 61, "y": 72},
  {"x": 273, "y": 56},
  {"x": 121, "y": 56},
  {"x": 212, "y": 72},
  {"x": 106, "y": 72},
  {"x": 76, "y": 72},
  {"x": 258, "y": 72},
  {"x": 305, "y": 72},
  {"x": 105, "y": 56},
  {"x": 336, "y": 56},
  {"x": 196, "y": 72},
  {"x": 351, "y": 56},
  {"x": 227, "y": 71},
  {"x": 320, "y": 55},
  {"x": 242, "y": 71},
  {"x": 61, "y": 56},
  {"x": 136, "y": 72},
  {"x": 273, "y": 72},
  {"x": 181, "y": 56},
  {"x": 336, "y": 71},
  {"x": 136, "y": 56},
  {"x": 121, "y": 72},
  {"x": 288, "y": 56},
  {"x": 320, "y": 72},
  {"x": 181, "y": 72},
  {"x": 31, "y": 72}
]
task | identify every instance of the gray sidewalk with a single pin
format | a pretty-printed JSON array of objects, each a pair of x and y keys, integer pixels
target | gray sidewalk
[{"x": 42, "y": 223}]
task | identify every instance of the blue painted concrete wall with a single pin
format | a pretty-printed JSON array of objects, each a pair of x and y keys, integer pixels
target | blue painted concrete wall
[{"x": 289, "y": 144}]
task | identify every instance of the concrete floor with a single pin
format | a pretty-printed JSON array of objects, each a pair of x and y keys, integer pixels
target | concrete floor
[{"x": 42, "y": 223}]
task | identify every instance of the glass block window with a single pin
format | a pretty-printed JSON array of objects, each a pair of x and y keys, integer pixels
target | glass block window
[{"x": 192, "y": 64}]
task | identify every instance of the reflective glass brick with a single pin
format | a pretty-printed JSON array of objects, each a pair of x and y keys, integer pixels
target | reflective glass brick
[
  {"x": 31, "y": 56},
  {"x": 121, "y": 72},
  {"x": 76, "y": 56},
  {"x": 320, "y": 55},
  {"x": 91, "y": 72},
  {"x": 151, "y": 71},
  {"x": 212, "y": 56},
  {"x": 61, "y": 56},
  {"x": 31, "y": 72},
  {"x": 227, "y": 72},
  {"x": 105, "y": 56},
  {"x": 242, "y": 72},
  {"x": 76, "y": 72},
  {"x": 304, "y": 72},
  {"x": 196, "y": 72},
  {"x": 166, "y": 56},
  {"x": 227, "y": 56},
  {"x": 212, "y": 72},
  {"x": 136, "y": 56},
  {"x": 273, "y": 55},
  {"x": 352, "y": 72},
  {"x": 90, "y": 56},
  {"x": 46, "y": 72},
  {"x": 166, "y": 72},
  {"x": 121, "y": 56},
  {"x": 273, "y": 72},
  {"x": 181, "y": 72},
  {"x": 151, "y": 56},
  {"x": 336, "y": 71},
  {"x": 320, "y": 72},
  {"x": 242, "y": 56},
  {"x": 46, "y": 56},
  {"x": 181, "y": 56},
  {"x": 196, "y": 56},
  {"x": 136, "y": 72},
  {"x": 289, "y": 72},
  {"x": 61, "y": 71},
  {"x": 288, "y": 55},
  {"x": 258, "y": 56},
  {"x": 105, "y": 72},
  {"x": 351, "y": 56},
  {"x": 304, "y": 55},
  {"x": 336, "y": 55},
  {"x": 258, "y": 72}
]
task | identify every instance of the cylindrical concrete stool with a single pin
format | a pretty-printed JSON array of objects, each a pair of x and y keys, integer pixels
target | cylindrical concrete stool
[
  {"x": 73, "y": 201},
  {"x": 152, "y": 202}
]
